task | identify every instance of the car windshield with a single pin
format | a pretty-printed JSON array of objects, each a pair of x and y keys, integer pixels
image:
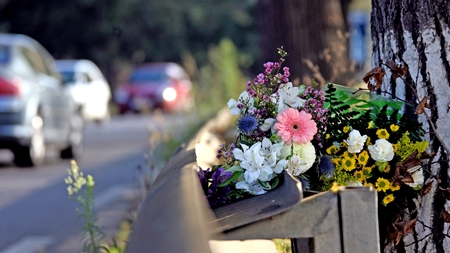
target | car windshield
[
  {"x": 147, "y": 76},
  {"x": 4, "y": 54},
  {"x": 68, "y": 76}
]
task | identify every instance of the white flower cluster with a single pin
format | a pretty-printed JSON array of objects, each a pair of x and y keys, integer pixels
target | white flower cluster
[
  {"x": 381, "y": 151},
  {"x": 260, "y": 162}
]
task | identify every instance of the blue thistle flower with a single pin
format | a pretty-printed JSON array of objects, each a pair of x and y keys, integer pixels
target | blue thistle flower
[
  {"x": 326, "y": 166},
  {"x": 247, "y": 124}
]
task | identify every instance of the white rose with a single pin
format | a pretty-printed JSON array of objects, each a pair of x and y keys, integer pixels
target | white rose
[
  {"x": 382, "y": 151},
  {"x": 355, "y": 141}
]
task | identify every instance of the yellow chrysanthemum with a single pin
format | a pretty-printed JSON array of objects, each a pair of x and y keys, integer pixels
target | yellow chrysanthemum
[
  {"x": 363, "y": 157},
  {"x": 332, "y": 150},
  {"x": 346, "y": 129},
  {"x": 359, "y": 176},
  {"x": 387, "y": 169},
  {"x": 347, "y": 154},
  {"x": 371, "y": 125},
  {"x": 395, "y": 147},
  {"x": 395, "y": 188},
  {"x": 336, "y": 161},
  {"x": 348, "y": 164},
  {"x": 382, "y": 134},
  {"x": 343, "y": 144},
  {"x": 394, "y": 128},
  {"x": 382, "y": 184},
  {"x": 388, "y": 199},
  {"x": 369, "y": 184},
  {"x": 367, "y": 172},
  {"x": 327, "y": 136}
]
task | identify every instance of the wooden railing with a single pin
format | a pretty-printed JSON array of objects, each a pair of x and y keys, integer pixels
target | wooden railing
[{"x": 175, "y": 216}]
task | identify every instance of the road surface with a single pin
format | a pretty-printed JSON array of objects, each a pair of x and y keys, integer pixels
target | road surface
[{"x": 36, "y": 214}]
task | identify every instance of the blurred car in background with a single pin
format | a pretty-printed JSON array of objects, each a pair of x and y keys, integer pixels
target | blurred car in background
[
  {"x": 36, "y": 111},
  {"x": 163, "y": 85},
  {"x": 88, "y": 86}
]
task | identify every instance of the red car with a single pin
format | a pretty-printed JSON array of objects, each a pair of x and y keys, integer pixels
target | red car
[{"x": 156, "y": 85}]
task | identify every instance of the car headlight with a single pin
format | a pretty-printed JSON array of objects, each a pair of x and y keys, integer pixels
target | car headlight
[{"x": 169, "y": 94}]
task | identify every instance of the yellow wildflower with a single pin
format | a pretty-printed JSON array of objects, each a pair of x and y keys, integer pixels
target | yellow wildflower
[
  {"x": 387, "y": 169},
  {"x": 395, "y": 188},
  {"x": 395, "y": 147},
  {"x": 332, "y": 150},
  {"x": 382, "y": 184},
  {"x": 371, "y": 125},
  {"x": 335, "y": 187},
  {"x": 346, "y": 129},
  {"x": 367, "y": 172},
  {"x": 363, "y": 157},
  {"x": 327, "y": 136},
  {"x": 347, "y": 154},
  {"x": 369, "y": 184},
  {"x": 382, "y": 134},
  {"x": 336, "y": 161},
  {"x": 394, "y": 128},
  {"x": 388, "y": 199},
  {"x": 348, "y": 164},
  {"x": 359, "y": 176},
  {"x": 405, "y": 147},
  {"x": 368, "y": 143}
]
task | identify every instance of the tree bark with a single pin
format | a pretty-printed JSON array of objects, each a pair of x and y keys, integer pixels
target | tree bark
[
  {"x": 416, "y": 34},
  {"x": 313, "y": 32}
]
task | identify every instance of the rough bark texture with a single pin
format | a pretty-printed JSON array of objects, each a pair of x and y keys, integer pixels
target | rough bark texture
[
  {"x": 416, "y": 34},
  {"x": 313, "y": 32}
]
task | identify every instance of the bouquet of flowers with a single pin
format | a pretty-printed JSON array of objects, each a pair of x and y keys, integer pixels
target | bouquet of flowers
[
  {"x": 339, "y": 136},
  {"x": 280, "y": 129}
]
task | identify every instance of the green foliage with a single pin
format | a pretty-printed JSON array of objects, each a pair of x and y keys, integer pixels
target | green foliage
[
  {"x": 340, "y": 177},
  {"x": 348, "y": 107},
  {"x": 112, "y": 31},
  {"x": 340, "y": 113},
  {"x": 220, "y": 79}
]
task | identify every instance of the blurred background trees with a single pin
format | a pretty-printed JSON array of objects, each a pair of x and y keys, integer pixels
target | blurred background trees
[{"x": 118, "y": 34}]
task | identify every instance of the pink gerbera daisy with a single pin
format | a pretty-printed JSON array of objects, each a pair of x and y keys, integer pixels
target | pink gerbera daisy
[{"x": 295, "y": 126}]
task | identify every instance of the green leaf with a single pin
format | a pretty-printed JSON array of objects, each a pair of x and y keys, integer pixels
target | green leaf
[
  {"x": 275, "y": 182},
  {"x": 381, "y": 165},
  {"x": 236, "y": 175},
  {"x": 235, "y": 168}
]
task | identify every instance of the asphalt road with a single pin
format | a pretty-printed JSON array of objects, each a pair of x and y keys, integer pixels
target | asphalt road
[{"x": 36, "y": 214}]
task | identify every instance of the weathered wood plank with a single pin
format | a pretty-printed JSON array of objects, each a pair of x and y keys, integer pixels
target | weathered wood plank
[{"x": 247, "y": 211}]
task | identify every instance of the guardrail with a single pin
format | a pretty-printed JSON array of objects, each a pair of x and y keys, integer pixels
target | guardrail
[{"x": 175, "y": 216}]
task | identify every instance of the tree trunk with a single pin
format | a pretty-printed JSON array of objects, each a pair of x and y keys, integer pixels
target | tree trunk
[
  {"x": 313, "y": 32},
  {"x": 416, "y": 34}
]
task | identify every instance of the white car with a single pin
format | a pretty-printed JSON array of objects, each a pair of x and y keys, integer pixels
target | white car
[{"x": 88, "y": 87}]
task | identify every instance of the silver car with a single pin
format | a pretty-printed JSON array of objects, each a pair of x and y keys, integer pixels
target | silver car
[{"x": 36, "y": 111}]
